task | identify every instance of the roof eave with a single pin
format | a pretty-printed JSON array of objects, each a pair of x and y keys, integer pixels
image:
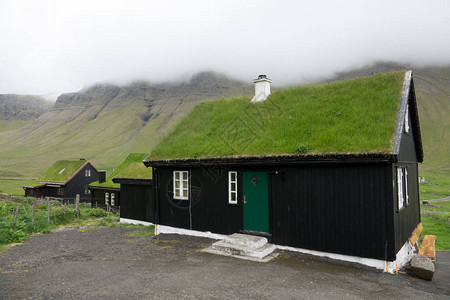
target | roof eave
[{"x": 276, "y": 159}]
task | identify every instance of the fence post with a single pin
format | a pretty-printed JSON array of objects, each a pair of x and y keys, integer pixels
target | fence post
[
  {"x": 48, "y": 210},
  {"x": 15, "y": 218},
  {"x": 33, "y": 206},
  {"x": 65, "y": 205},
  {"x": 77, "y": 203}
]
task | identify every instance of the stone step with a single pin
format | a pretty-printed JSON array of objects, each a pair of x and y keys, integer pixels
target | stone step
[
  {"x": 241, "y": 245},
  {"x": 246, "y": 240}
]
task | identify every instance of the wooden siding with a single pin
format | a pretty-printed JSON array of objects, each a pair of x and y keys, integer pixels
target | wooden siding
[
  {"x": 98, "y": 197},
  {"x": 340, "y": 208},
  {"x": 78, "y": 185},
  {"x": 208, "y": 199},
  {"x": 407, "y": 218},
  {"x": 137, "y": 202}
]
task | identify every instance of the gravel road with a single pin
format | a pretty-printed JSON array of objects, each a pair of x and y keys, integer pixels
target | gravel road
[{"x": 112, "y": 263}]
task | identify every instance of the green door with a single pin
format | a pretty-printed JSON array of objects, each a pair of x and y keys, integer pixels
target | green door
[{"x": 256, "y": 201}]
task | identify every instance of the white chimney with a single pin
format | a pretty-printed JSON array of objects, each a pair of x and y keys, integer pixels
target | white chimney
[{"x": 262, "y": 88}]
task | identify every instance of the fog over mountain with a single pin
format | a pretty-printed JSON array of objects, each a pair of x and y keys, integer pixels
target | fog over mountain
[{"x": 50, "y": 47}]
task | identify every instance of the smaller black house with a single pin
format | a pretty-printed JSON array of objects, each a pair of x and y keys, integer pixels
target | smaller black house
[
  {"x": 137, "y": 203},
  {"x": 64, "y": 180},
  {"x": 105, "y": 193},
  {"x": 328, "y": 169}
]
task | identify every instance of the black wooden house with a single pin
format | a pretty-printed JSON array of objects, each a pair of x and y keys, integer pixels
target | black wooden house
[
  {"x": 328, "y": 169},
  {"x": 64, "y": 180},
  {"x": 105, "y": 193}
]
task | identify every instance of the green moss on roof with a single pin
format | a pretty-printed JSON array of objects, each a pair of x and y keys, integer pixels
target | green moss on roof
[
  {"x": 136, "y": 171},
  {"x": 130, "y": 159},
  {"x": 354, "y": 116},
  {"x": 62, "y": 170}
]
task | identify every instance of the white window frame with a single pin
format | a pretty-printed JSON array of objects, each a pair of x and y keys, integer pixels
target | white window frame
[
  {"x": 402, "y": 187},
  {"x": 183, "y": 185},
  {"x": 107, "y": 198},
  {"x": 407, "y": 119},
  {"x": 87, "y": 173},
  {"x": 230, "y": 189},
  {"x": 113, "y": 199}
]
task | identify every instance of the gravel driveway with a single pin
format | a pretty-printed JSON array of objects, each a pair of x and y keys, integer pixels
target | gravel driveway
[{"x": 111, "y": 263}]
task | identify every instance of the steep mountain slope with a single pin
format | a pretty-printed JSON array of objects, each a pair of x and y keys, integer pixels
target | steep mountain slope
[
  {"x": 105, "y": 122},
  {"x": 18, "y": 110}
]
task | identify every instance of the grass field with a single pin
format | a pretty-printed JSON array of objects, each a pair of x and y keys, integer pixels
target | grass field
[
  {"x": 434, "y": 226},
  {"x": 89, "y": 219}
]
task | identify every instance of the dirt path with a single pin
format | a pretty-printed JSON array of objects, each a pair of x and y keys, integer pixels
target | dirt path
[{"x": 111, "y": 263}]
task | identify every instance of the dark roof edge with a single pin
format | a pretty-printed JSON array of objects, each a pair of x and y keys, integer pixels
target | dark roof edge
[
  {"x": 275, "y": 159},
  {"x": 138, "y": 181},
  {"x": 96, "y": 187}
]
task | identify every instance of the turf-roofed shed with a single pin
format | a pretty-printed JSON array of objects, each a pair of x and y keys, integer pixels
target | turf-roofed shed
[
  {"x": 137, "y": 195},
  {"x": 328, "y": 168},
  {"x": 105, "y": 192},
  {"x": 64, "y": 180}
]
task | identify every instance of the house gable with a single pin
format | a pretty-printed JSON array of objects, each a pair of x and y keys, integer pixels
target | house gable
[{"x": 408, "y": 141}]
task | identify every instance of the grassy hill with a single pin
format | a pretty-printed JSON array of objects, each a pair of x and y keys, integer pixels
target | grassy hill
[{"x": 104, "y": 123}]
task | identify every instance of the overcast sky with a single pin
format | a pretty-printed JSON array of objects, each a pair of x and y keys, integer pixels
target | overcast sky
[{"x": 51, "y": 47}]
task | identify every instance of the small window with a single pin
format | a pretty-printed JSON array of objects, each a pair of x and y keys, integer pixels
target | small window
[
  {"x": 180, "y": 185},
  {"x": 60, "y": 191},
  {"x": 402, "y": 187},
  {"x": 87, "y": 191},
  {"x": 107, "y": 198},
  {"x": 113, "y": 198},
  {"x": 407, "y": 119},
  {"x": 87, "y": 173},
  {"x": 232, "y": 187}
]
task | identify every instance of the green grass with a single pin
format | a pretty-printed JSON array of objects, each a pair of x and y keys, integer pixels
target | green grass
[
  {"x": 14, "y": 187},
  {"x": 130, "y": 159},
  {"x": 437, "y": 185},
  {"x": 90, "y": 219},
  {"x": 434, "y": 226},
  {"x": 354, "y": 116},
  {"x": 62, "y": 170},
  {"x": 136, "y": 170},
  {"x": 143, "y": 232},
  {"x": 437, "y": 206}
]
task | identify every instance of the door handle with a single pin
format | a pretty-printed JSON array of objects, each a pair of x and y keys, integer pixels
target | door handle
[{"x": 245, "y": 202}]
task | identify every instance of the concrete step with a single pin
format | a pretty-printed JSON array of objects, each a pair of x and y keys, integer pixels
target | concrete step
[
  {"x": 246, "y": 240},
  {"x": 244, "y": 246}
]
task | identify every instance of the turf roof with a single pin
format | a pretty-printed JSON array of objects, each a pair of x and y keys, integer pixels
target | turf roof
[
  {"x": 348, "y": 117},
  {"x": 62, "y": 170},
  {"x": 130, "y": 159},
  {"x": 136, "y": 170}
]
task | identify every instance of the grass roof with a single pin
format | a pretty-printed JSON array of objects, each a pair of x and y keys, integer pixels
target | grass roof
[
  {"x": 354, "y": 116},
  {"x": 130, "y": 159},
  {"x": 136, "y": 170},
  {"x": 62, "y": 170}
]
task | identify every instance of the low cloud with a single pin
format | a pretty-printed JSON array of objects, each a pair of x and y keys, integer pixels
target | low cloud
[{"x": 50, "y": 47}]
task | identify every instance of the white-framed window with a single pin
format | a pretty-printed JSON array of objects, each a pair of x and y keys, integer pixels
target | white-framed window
[
  {"x": 402, "y": 187},
  {"x": 113, "y": 198},
  {"x": 87, "y": 191},
  {"x": 87, "y": 173},
  {"x": 181, "y": 185},
  {"x": 232, "y": 187},
  {"x": 107, "y": 198},
  {"x": 407, "y": 119}
]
